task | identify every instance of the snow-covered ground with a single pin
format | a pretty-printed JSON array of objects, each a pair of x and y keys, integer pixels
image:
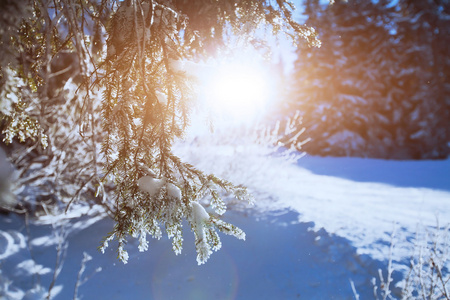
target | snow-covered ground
[{"x": 316, "y": 225}]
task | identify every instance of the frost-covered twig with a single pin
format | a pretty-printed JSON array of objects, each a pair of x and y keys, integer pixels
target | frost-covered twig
[
  {"x": 61, "y": 252},
  {"x": 80, "y": 281},
  {"x": 29, "y": 246},
  {"x": 355, "y": 293},
  {"x": 385, "y": 290},
  {"x": 426, "y": 279}
]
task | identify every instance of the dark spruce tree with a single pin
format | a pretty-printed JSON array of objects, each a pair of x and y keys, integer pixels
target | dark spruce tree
[
  {"x": 368, "y": 90},
  {"x": 423, "y": 35}
]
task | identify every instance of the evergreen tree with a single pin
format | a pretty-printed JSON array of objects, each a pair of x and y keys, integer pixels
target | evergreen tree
[
  {"x": 423, "y": 36},
  {"x": 367, "y": 91},
  {"x": 99, "y": 90}
]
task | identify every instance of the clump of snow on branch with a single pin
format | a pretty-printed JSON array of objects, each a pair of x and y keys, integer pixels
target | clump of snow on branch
[
  {"x": 173, "y": 191},
  {"x": 165, "y": 198},
  {"x": 150, "y": 185},
  {"x": 199, "y": 221},
  {"x": 206, "y": 238},
  {"x": 162, "y": 98},
  {"x": 153, "y": 186}
]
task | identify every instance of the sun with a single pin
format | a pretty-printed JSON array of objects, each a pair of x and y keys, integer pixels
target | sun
[{"x": 237, "y": 90}]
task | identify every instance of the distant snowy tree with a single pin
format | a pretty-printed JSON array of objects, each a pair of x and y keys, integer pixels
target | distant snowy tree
[
  {"x": 423, "y": 36},
  {"x": 371, "y": 89},
  {"x": 98, "y": 91}
]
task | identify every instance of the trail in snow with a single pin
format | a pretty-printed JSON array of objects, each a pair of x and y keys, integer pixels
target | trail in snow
[
  {"x": 364, "y": 201},
  {"x": 281, "y": 259},
  {"x": 352, "y": 204}
]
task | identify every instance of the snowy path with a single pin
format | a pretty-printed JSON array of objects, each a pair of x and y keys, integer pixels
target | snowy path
[
  {"x": 281, "y": 259},
  {"x": 352, "y": 204},
  {"x": 363, "y": 201},
  {"x": 365, "y": 213}
]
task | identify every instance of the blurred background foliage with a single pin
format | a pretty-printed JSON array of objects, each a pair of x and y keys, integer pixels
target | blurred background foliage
[{"x": 379, "y": 85}]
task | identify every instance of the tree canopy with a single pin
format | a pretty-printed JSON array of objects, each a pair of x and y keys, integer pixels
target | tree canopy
[
  {"x": 379, "y": 85},
  {"x": 97, "y": 91}
]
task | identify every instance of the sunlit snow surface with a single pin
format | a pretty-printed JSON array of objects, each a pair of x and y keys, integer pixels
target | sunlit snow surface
[
  {"x": 362, "y": 200},
  {"x": 316, "y": 225}
]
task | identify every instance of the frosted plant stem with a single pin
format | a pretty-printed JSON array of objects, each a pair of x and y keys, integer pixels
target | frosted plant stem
[
  {"x": 27, "y": 225},
  {"x": 422, "y": 284},
  {"x": 375, "y": 288},
  {"x": 79, "y": 282},
  {"x": 355, "y": 293},
  {"x": 386, "y": 290},
  {"x": 441, "y": 279},
  {"x": 406, "y": 292},
  {"x": 57, "y": 264},
  {"x": 60, "y": 254}
]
